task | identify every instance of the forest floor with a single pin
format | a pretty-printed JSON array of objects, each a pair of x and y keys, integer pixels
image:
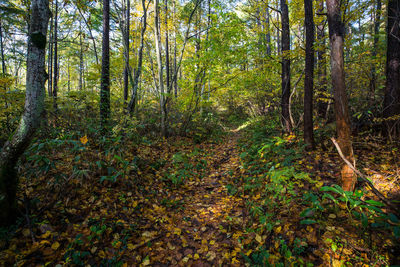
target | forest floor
[{"x": 178, "y": 203}]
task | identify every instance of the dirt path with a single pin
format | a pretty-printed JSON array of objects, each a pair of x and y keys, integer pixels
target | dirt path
[{"x": 203, "y": 231}]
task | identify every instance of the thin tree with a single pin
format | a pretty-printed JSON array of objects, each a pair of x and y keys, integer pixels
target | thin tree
[
  {"x": 135, "y": 85},
  {"x": 285, "y": 76},
  {"x": 105, "y": 69},
  {"x": 157, "y": 37},
  {"x": 377, "y": 21},
  {"x": 34, "y": 109},
  {"x": 391, "y": 103},
  {"x": 343, "y": 129},
  {"x": 55, "y": 63},
  {"x": 322, "y": 103},
  {"x": 309, "y": 75},
  {"x": 126, "y": 49},
  {"x": 3, "y": 61}
]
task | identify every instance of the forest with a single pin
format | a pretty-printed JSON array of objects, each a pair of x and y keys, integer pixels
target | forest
[{"x": 200, "y": 133}]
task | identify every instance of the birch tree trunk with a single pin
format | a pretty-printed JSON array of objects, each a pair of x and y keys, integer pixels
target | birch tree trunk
[
  {"x": 157, "y": 37},
  {"x": 3, "y": 61},
  {"x": 34, "y": 107}
]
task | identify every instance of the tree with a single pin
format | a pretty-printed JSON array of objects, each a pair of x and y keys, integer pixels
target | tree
[
  {"x": 157, "y": 37},
  {"x": 34, "y": 106},
  {"x": 3, "y": 62},
  {"x": 138, "y": 71},
  {"x": 336, "y": 37},
  {"x": 105, "y": 68},
  {"x": 285, "y": 76},
  {"x": 126, "y": 49},
  {"x": 377, "y": 21},
  {"x": 309, "y": 75},
  {"x": 55, "y": 61},
  {"x": 391, "y": 103},
  {"x": 322, "y": 104}
]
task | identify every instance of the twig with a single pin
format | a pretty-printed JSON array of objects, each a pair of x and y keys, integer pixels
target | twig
[{"x": 364, "y": 178}]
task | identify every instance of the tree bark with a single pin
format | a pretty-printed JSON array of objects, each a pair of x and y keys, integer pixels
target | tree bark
[
  {"x": 135, "y": 84},
  {"x": 50, "y": 59},
  {"x": 343, "y": 129},
  {"x": 126, "y": 49},
  {"x": 378, "y": 11},
  {"x": 157, "y": 37},
  {"x": 80, "y": 60},
  {"x": 309, "y": 75},
  {"x": 391, "y": 104},
  {"x": 321, "y": 65},
  {"x": 34, "y": 107},
  {"x": 105, "y": 69},
  {"x": 55, "y": 64},
  {"x": 285, "y": 116},
  {"x": 3, "y": 61}
]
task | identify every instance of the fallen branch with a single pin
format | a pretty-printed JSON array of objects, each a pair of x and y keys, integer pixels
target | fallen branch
[{"x": 364, "y": 177}]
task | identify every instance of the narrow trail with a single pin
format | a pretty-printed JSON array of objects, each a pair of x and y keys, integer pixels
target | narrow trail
[{"x": 202, "y": 232}]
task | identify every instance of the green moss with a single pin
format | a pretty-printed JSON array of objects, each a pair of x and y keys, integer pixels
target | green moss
[{"x": 39, "y": 40}]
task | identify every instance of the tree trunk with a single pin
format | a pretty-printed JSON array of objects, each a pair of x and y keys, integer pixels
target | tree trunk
[
  {"x": 80, "y": 60},
  {"x": 3, "y": 61},
  {"x": 321, "y": 64},
  {"x": 135, "y": 84},
  {"x": 287, "y": 125},
  {"x": 175, "y": 83},
  {"x": 34, "y": 108},
  {"x": 336, "y": 36},
  {"x": 268, "y": 34},
  {"x": 378, "y": 11},
  {"x": 50, "y": 59},
  {"x": 55, "y": 73},
  {"x": 160, "y": 66},
  {"x": 126, "y": 49},
  {"x": 391, "y": 104},
  {"x": 309, "y": 75},
  {"x": 105, "y": 69}
]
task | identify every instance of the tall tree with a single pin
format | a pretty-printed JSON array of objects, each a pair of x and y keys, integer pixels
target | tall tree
[
  {"x": 321, "y": 64},
  {"x": 126, "y": 49},
  {"x": 105, "y": 69},
  {"x": 50, "y": 58},
  {"x": 3, "y": 61},
  {"x": 391, "y": 103},
  {"x": 34, "y": 107},
  {"x": 343, "y": 129},
  {"x": 377, "y": 21},
  {"x": 138, "y": 71},
  {"x": 55, "y": 61},
  {"x": 285, "y": 76},
  {"x": 157, "y": 37},
  {"x": 309, "y": 75}
]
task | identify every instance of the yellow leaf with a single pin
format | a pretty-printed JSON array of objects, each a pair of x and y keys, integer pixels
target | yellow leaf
[
  {"x": 278, "y": 229},
  {"x": 212, "y": 242},
  {"x": 84, "y": 140},
  {"x": 249, "y": 252},
  {"x": 178, "y": 231},
  {"x": 55, "y": 245},
  {"x": 196, "y": 256},
  {"x": 234, "y": 261},
  {"x": 102, "y": 254},
  {"x": 258, "y": 238},
  {"x": 130, "y": 246},
  {"x": 46, "y": 235}
]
